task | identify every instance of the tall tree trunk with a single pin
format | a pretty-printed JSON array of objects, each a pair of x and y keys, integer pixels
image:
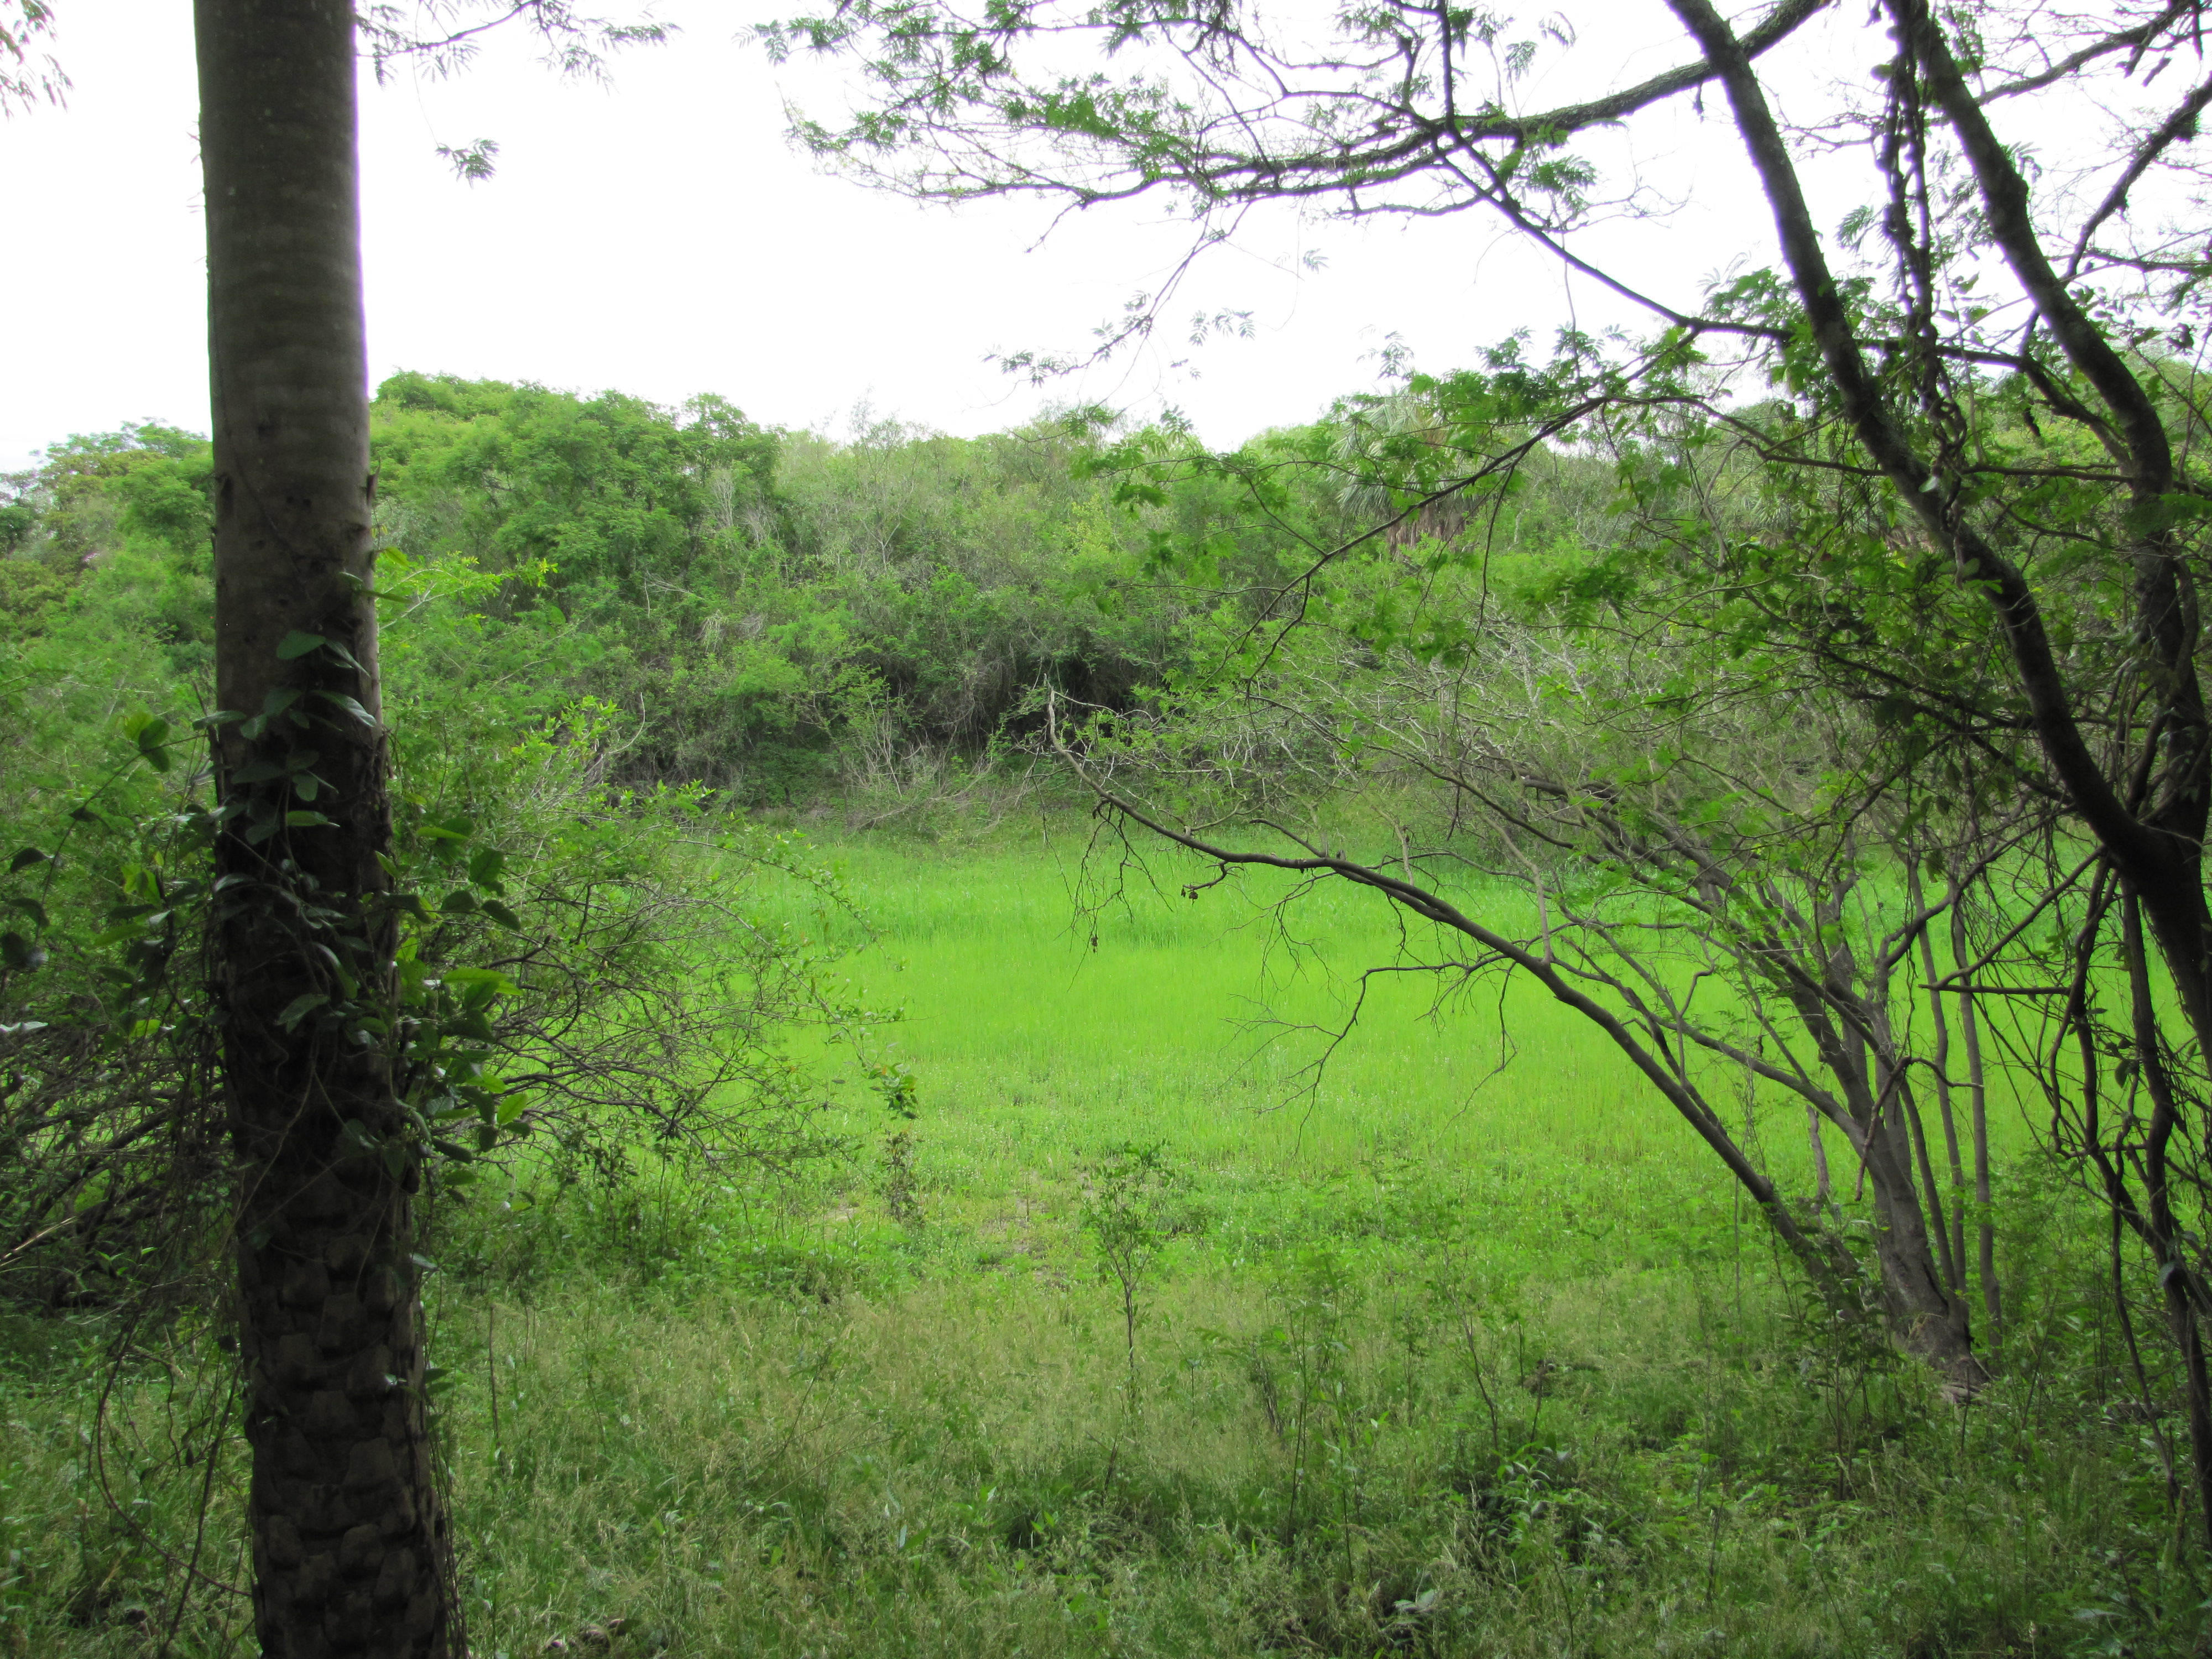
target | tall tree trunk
[
  {"x": 1824, "y": 1195},
  {"x": 1940, "y": 1061},
  {"x": 350, "y": 1546}
]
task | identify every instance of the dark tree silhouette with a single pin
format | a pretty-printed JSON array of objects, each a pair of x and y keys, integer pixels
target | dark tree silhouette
[{"x": 349, "y": 1545}]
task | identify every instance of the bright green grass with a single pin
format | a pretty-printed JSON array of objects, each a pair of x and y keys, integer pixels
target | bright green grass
[
  {"x": 1041, "y": 1033},
  {"x": 1203, "y": 1022}
]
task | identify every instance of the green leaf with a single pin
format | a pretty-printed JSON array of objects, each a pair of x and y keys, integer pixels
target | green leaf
[
  {"x": 500, "y": 914},
  {"x": 306, "y": 820},
  {"x": 300, "y": 1007},
  {"x": 31, "y": 908},
  {"x": 339, "y": 700},
  {"x": 297, "y": 645},
  {"x": 149, "y": 737},
  {"x": 341, "y": 655},
  {"x": 25, "y": 859},
  {"x": 276, "y": 703},
  {"x": 458, "y": 903},
  {"x": 485, "y": 864},
  {"x": 21, "y": 954}
]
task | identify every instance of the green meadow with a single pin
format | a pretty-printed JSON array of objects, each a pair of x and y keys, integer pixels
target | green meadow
[
  {"x": 1206, "y": 1023},
  {"x": 1057, "y": 999},
  {"x": 1431, "y": 1355}
]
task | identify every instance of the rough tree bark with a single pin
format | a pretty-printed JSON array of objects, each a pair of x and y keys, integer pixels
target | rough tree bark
[{"x": 349, "y": 1545}]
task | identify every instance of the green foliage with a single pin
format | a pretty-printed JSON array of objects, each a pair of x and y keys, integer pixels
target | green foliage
[
  {"x": 786, "y": 619},
  {"x": 613, "y": 972},
  {"x": 619, "y": 500},
  {"x": 1128, "y": 1217},
  {"x": 115, "y": 525}
]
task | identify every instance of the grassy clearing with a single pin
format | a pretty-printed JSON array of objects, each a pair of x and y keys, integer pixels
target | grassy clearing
[
  {"x": 1200, "y": 1022},
  {"x": 1424, "y": 1366}
]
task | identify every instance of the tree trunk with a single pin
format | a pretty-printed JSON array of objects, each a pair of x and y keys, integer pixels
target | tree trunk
[
  {"x": 1977, "y": 1102},
  {"x": 1940, "y": 1065},
  {"x": 1928, "y": 1320},
  {"x": 350, "y": 1546}
]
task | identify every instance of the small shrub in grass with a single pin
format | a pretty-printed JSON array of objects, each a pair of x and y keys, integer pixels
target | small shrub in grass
[
  {"x": 1130, "y": 1197},
  {"x": 900, "y": 1184}
]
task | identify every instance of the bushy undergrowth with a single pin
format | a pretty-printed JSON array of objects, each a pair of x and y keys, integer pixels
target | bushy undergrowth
[{"x": 1392, "y": 1422}]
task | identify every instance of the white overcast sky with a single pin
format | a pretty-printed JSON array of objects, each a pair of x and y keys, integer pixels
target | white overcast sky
[{"x": 660, "y": 237}]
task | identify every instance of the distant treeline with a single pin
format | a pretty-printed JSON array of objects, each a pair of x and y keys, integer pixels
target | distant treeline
[{"x": 781, "y": 616}]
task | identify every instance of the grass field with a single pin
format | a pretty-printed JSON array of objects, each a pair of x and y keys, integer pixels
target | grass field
[
  {"x": 1042, "y": 1030},
  {"x": 1182, "y": 1019},
  {"x": 1433, "y": 1358}
]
